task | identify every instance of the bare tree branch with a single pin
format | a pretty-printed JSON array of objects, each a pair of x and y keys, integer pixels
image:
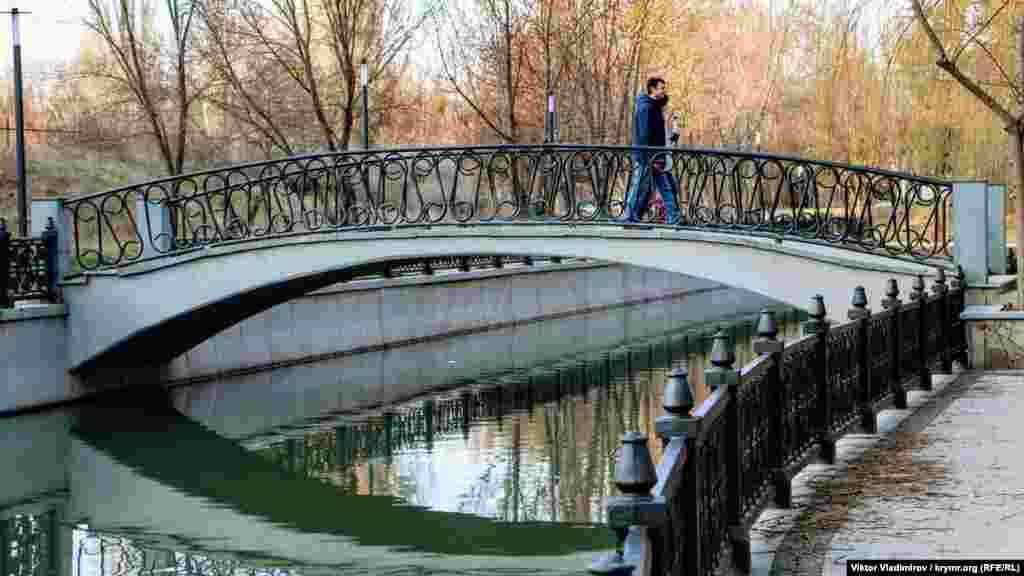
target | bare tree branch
[{"x": 952, "y": 69}]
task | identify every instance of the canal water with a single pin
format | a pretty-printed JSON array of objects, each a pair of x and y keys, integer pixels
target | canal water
[{"x": 505, "y": 472}]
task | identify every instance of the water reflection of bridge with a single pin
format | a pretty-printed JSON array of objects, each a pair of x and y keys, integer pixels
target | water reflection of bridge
[{"x": 416, "y": 425}]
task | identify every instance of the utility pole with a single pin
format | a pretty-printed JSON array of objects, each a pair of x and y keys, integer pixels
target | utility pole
[
  {"x": 19, "y": 127},
  {"x": 364, "y": 76}
]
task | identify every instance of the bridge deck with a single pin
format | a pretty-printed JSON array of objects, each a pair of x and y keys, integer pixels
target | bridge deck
[{"x": 818, "y": 251}]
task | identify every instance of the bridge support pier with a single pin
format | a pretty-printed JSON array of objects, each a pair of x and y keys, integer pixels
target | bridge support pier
[
  {"x": 997, "y": 262},
  {"x": 42, "y": 211},
  {"x": 971, "y": 229}
]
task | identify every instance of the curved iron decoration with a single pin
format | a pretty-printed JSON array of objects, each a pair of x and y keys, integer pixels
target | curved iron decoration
[{"x": 861, "y": 208}]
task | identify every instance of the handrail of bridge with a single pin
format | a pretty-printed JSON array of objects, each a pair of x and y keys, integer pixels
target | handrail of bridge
[
  {"x": 763, "y": 423},
  {"x": 28, "y": 268},
  {"x": 857, "y": 207}
]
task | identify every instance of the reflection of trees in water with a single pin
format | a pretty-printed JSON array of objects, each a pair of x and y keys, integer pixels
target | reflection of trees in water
[{"x": 557, "y": 431}]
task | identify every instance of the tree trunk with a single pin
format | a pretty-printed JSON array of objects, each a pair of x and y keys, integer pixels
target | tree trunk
[{"x": 1017, "y": 142}]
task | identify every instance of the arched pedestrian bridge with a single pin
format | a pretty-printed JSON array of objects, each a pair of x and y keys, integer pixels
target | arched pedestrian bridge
[{"x": 169, "y": 263}]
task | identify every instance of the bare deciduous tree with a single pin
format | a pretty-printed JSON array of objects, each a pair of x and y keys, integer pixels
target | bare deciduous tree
[
  {"x": 157, "y": 79},
  {"x": 969, "y": 38}
]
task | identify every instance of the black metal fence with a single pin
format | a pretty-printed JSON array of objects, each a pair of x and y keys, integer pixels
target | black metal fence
[
  {"x": 28, "y": 267},
  {"x": 861, "y": 208},
  {"x": 770, "y": 418}
]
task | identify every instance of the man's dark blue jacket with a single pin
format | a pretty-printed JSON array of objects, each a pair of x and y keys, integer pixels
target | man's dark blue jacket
[{"x": 648, "y": 123}]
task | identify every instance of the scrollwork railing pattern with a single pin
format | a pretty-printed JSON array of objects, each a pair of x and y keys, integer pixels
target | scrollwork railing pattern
[
  {"x": 910, "y": 335},
  {"x": 880, "y": 353},
  {"x": 854, "y": 207},
  {"x": 799, "y": 380},
  {"x": 844, "y": 371},
  {"x": 28, "y": 267},
  {"x": 755, "y": 413}
]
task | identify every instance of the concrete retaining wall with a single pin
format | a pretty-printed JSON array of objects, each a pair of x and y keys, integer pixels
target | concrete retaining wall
[{"x": 34, "y": 357}]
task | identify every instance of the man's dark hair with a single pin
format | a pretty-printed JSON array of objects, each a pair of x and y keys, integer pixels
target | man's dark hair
[{"x": 652, "y": 83}]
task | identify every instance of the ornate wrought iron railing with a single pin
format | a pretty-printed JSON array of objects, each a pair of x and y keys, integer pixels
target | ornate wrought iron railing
[
  {"x": 28, "y": 267},
  {"x": 861, "y": 208},
  {"x": 760, "y": 425}
]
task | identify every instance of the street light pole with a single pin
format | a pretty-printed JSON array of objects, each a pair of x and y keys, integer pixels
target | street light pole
[
  {"x": 19, "y": 128},
  {"x": 365, "y": 78}
]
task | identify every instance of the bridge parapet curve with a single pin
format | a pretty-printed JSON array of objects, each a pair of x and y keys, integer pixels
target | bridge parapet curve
[{"x": 743, "y": 194}]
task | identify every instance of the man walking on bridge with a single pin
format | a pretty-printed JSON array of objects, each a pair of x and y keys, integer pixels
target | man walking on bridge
[{"x": 649, "y": 130}]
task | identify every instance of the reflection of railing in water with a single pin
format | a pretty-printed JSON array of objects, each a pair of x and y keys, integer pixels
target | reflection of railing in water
[
  {"x": 491, "y": 397},
  {"x": 26, "y": 546},
  {"x": 110, "y": 555}
]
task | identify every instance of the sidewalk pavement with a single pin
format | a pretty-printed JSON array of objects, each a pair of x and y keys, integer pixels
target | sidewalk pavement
[
  {"x": 947, "y": 484},
  {"x": 976, "y": 508}
]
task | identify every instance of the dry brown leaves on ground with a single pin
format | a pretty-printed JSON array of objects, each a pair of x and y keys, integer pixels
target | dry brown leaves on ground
[{"x": 885, "y": 471}]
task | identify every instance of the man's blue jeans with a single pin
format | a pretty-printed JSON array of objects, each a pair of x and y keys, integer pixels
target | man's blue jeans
[{"x": 638, "y": 195}]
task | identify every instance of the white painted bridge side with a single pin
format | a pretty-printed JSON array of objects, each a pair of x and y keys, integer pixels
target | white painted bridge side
[{"x": 111, "y": 307}]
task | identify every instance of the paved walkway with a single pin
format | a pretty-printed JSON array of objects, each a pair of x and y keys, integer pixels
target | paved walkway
[
  {"x": 975, "y": 507},
  {"x": 942, "y": 480}
]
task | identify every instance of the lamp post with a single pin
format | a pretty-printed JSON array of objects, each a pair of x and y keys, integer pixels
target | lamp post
[
  {"x": 364, "y": 76},
  {"x": 19, "y": 128}
]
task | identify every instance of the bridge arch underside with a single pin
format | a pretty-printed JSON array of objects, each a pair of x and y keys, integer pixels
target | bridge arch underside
[{"x": 151, "y": 312}]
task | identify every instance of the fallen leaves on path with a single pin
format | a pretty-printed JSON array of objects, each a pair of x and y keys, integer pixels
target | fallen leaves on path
[{"x": 886, "y": 471}]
